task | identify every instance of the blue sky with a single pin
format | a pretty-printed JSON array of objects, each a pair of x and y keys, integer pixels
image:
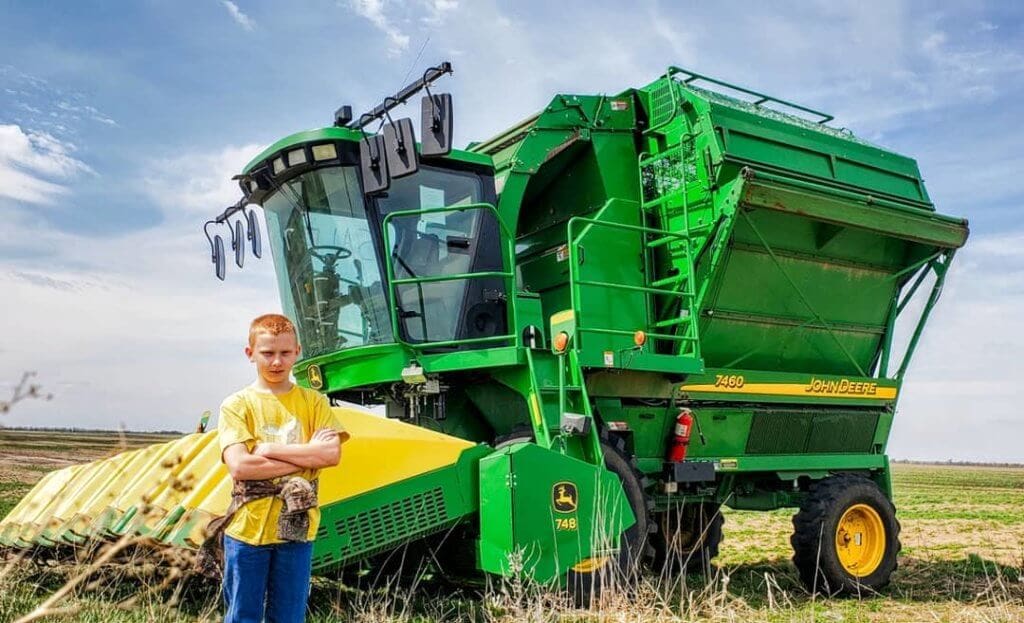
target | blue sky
[{"x": 121, "y": 124}]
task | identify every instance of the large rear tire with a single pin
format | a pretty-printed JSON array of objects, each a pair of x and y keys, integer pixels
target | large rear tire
[
  {"x": 687, "y": 538},
  {"x": 846, "y": 537}
]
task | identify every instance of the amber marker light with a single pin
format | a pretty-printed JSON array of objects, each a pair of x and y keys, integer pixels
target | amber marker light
[
  {"x": 639, "y": 338},
  {"x": 561, "y": 341}
]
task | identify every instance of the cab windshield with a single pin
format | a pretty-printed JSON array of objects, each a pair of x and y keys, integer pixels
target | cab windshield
[{"x": 326, "y": 261}]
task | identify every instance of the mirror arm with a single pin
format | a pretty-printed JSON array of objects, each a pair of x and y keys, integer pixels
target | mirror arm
[
  {"x": 436, "y": 116},
  {"x": 402, "y": 96},
  {"x": 230, "y": 210},
  {"x": 398, "y": 136},
  {"x": 374, "y": 158},
  {"x": 213, "y": 255}
]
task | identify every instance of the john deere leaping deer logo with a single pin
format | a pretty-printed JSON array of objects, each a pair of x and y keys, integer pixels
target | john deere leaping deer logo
[
  {"x": 316, "y": 381},
  {"x": 564, "y": 497}
]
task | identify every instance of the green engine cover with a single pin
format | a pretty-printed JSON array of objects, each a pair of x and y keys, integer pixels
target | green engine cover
[{"x": 542, "y": 512}]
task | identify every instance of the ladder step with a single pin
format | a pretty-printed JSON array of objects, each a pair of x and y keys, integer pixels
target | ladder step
[
  {"x": 672, "y": 322},
  {"x": 668, "y": 153},
  {"x": 664, "y": 240},
  {"x": 699, "y": 229},
  {"x": 675, "y": 197},
  {"x": 653, "y": 203},
  {"x": 667, "y": 281},
  {"x": 553, "y": 389}
]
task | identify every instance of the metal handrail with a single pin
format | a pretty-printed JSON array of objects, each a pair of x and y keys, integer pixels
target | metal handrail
[
  {"x": 575, "y": 281},
  {"x": 508, "y": 259},
  {"x": 696, "y": 77}
]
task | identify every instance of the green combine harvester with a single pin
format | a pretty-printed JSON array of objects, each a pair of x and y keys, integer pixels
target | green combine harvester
[{"x": 589, "y": 333}]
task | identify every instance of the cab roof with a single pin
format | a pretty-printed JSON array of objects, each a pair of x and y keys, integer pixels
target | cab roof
[{"x": 347, "y": 134}]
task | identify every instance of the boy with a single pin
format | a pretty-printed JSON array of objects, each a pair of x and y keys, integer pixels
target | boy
[{"x": 274, "y": 438}]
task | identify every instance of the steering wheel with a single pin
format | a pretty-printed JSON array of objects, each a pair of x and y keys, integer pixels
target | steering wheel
[
  {"x": 330, "y": 259},
  {"x": 340, "y": 253}
]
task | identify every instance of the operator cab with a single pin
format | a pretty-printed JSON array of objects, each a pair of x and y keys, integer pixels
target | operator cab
[
  {"x": 378, "y": 239},
  {"x": 333, "y": 246}
]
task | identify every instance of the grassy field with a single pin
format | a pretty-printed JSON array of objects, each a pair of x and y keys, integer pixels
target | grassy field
[{"x": 962, "y": 560}]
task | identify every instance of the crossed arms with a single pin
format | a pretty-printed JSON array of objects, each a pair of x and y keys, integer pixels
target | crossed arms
[{"x": 271, "y": 460}]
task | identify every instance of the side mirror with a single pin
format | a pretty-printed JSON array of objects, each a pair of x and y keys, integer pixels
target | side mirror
[
  {"x": 436, "y": 123},
  {"x": 218, "y": 257},
  {"x": 253, "y": 233},
  {"x": 373, "y": 165},
  {"x": 400, "y": 147},
  {"x": 238, "y": 243}
]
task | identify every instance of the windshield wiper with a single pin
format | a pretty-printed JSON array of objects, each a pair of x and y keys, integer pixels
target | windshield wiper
[{"x": 419, "y": 294}]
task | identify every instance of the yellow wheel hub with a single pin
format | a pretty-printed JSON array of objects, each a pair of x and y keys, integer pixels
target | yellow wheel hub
[{"x": 860, "y": 540}]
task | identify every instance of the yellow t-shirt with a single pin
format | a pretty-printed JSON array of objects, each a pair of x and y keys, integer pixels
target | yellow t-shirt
[{"x": 251, "y": 416}]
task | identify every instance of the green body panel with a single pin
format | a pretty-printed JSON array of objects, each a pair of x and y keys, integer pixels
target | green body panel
[
  {"x": 383, "y": 518},
  {"x": 754, "y": 139},
  {"x": 542, "y": 512}
]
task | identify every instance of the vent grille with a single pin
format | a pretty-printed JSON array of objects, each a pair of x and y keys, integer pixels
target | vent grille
[
  {"x": 385, "y": 525},
  {"x": 811, "y": 433},
  {"x": 779, "y": 433},
  {"x": 662, "y": 104},
  {"x": 842, "y": 432}
]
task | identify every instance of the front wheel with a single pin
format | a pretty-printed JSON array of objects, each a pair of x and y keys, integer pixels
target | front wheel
[
  {"x": 587, "y": 580},
  {"x": 687, "y": 538},
  {"x": 846, "y": 536}
]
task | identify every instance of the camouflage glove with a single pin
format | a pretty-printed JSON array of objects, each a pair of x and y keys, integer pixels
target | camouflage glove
[{"x": 299, "y": 496}]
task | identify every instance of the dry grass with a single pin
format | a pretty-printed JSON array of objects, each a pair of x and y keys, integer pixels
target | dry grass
[{"x": 963, "y": 537}]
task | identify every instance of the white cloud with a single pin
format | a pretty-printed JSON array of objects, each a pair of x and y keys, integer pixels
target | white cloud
[
  {"x": 438, "y": 10},
  {"x": 48, "y": 105},
  {"x": 199, "y": 183},
  {"x": 961, "y": 397},
  {"x": 373, "y": 10},
  {"x": 88, "y": 111},
  {"x": 240, "y": 18},
  {"x": 134, "y": 329},
  {"x": 33, "y": 165}
]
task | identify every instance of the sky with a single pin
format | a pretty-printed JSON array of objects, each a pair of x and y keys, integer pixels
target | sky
[{"x": 121, "y": 124}]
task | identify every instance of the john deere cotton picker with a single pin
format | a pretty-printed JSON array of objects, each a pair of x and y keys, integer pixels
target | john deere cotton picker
[{"x": 588, "y": 332}]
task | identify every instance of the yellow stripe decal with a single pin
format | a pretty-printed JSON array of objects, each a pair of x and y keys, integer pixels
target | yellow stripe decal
[
  {"x": 535, "y": 409},
  {"x": 835, "y": 389},
  {"x": 562, "y": 316}
]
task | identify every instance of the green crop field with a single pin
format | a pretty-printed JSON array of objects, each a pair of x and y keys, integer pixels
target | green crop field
[{"x": 962, "y": 559}]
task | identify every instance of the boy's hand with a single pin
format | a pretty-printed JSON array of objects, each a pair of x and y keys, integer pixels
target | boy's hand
[
  {"x": 325, "y": 435},
  {"x": 245, "y": 465},
  {"x": 321, "y": 436},
  {"x": 322, "y": 450}
]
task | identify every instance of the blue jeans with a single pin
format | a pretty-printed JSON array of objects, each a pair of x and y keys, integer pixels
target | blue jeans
[{"x": 274, "y": 576}]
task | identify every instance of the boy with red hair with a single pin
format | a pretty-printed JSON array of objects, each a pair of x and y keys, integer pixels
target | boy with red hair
[{"x": 274, "y": 437}]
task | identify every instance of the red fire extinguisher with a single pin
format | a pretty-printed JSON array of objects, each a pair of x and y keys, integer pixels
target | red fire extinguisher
[{"x": 681, "y": 437}]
